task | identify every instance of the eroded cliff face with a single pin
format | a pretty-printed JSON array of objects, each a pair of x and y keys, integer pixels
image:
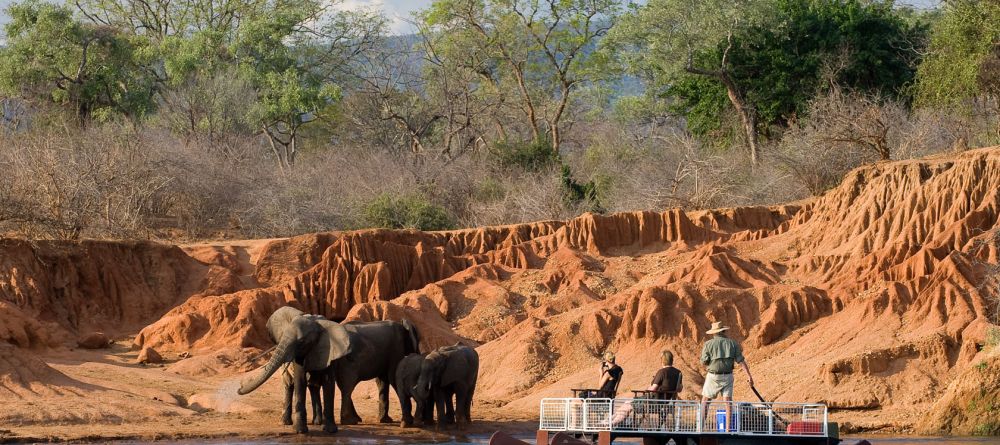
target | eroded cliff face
[{"x": 876, "y": 296}]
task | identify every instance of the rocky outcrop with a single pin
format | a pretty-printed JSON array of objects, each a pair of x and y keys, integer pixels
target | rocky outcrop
[
  {"x": 65, "y": 289},
  {"x": 94, "y": 340},
  {"x": 148, "y": 356},
  {"x": 970, "y": 403}
]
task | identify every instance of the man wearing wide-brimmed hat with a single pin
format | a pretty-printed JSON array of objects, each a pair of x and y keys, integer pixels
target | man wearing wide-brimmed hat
[{"x": 720, "y": 355}]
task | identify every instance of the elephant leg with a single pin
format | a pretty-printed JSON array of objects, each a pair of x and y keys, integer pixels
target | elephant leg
[
  {"x": 329, "y": 388},
  {"x": 425, "y": 409},
  {"x": 461, "y": 400},
  {"x": 470, "y": 393},
  {"x": 317, "y": 405},
  {"x": 405, "y": 405},
  {"x": 348, "y": 415},
  {"x": 441, "y": 402},
  {"x": 383, "y": 401},
  {"x": 289, "y": 388},
  {"x": 449, "y": 407},
  {"x": 299, "y": 377}
]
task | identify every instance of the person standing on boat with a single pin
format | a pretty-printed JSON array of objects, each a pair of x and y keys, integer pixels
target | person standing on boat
[{"x": 720, "y": 355}]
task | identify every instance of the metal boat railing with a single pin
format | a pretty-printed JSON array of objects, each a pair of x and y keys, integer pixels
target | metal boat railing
[{"x": 654, "y": 416}]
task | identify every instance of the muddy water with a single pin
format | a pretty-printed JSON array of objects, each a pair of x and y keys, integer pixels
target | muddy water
[{"x": 482, "y": 440}]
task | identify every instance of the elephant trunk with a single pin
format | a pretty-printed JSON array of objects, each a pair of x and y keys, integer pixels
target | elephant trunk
[{"x": 283, "y": 353}]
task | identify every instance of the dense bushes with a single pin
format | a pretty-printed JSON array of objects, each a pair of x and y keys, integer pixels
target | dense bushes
[{"x": 410, "y": 211}]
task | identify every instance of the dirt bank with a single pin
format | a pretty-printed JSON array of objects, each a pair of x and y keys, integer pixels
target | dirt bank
[{"x": 875, "y": 298}]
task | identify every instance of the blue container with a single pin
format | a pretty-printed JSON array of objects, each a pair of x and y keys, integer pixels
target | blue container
[{"x": 720, "y": 420}]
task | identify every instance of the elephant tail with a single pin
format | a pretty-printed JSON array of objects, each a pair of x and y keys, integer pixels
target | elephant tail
[
  {"x": 413, "y": 336},
  {"x": 283, "y": 353}
]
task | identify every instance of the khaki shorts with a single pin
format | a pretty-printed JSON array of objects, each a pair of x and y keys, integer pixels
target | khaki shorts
[{"x": 717, "y": 385}]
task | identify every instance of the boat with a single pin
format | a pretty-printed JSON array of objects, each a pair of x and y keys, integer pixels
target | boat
[{"x": 600, "y": 421}]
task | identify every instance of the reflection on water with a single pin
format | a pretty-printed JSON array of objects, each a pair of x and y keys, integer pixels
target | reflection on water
[
  {"x": 877, "y": 440},
  {"x": 483, "y": 439}
]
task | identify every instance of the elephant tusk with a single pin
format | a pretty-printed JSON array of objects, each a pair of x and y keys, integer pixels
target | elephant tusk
[{"x": 263, "y": 353}]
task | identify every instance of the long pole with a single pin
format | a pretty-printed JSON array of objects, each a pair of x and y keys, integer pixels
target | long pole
[{"x": 769, "y": 404}]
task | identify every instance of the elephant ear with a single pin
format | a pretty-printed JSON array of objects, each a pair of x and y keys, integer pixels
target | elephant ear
[
  {"x": 334, "y": 343},
  {"x": 413, "y": 337}
]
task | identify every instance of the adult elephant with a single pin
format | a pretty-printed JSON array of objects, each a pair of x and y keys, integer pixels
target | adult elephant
[
  {"x": 450, "y": 370},
  {"x": 377, "y": 347},
  {"x": 307, "y": 344}
]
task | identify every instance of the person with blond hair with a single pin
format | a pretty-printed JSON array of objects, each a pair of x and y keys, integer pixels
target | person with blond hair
[
  {"x": 607, "y": 386},
  {"x": 611, "y": 375}
]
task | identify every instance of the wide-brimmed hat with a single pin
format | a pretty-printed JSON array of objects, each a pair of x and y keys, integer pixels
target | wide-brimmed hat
[{"x": 717, "y": 327}]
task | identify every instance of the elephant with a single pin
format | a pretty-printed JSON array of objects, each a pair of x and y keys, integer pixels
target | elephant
[
  {"x": 307, "y": 344},
  {"x": 450, "y": 370},
  {"x": 377, "y": 348},
  {"x": 314, "y": 383},
  {"x": 406, "y": 379}
]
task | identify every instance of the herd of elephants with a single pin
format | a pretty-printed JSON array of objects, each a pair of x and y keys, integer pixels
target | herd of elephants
[{"x": 317, "y": 353}]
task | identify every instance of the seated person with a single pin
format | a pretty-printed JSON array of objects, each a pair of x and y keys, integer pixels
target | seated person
[
  {"x": 667, "y": 381},
  {"x": 611, "y": 374}
]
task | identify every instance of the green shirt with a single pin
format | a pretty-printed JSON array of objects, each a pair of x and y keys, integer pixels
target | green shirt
[{"x": 720, "y": 354}]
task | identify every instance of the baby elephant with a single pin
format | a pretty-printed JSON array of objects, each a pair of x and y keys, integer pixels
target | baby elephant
[
  {"x": 407, "y": 374},
  {"x": 451, "y": 370}
]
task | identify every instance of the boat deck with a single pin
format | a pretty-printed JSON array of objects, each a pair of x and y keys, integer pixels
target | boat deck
[{"x": 681, "y": 420}]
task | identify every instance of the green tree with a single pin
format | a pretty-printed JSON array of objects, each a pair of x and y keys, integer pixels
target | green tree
[
  {"x": 864, "y": 46},
  {"x": 293, "y": 56},
  {"x": 768, "y": 59},
  {"x": 540, "y": 49},
  {"x": 961, "y": 42},
  {"x": 94, "y": 70},
  {"x": 664, "y": 41}
]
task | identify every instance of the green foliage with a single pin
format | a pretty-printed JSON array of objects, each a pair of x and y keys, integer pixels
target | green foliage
[
  {"x": 993, "y": 337},
  {"x": 660, "y": 40},
  {"x": 411, "y": 211},
  {"x": 576, "y": 193},
  {"x": 781, "y": 67},
  {"x": 960, "y": 42},
  {"x": 987, "y": 429},
  {"x": 270, "y": 55},
  {"x": 703, "y": 102},
  {"x": 536, "y": 54},
  {"x": 526, "y": 155},
  {"x": 96, "y": 71},
  {"x": 488, "y": 190}
]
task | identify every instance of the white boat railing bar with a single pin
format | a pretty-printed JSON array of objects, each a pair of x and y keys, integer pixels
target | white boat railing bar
[{"x": 652, "y": 416}]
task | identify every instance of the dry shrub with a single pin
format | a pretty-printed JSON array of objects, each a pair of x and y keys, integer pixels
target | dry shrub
[
  {"x": 519, "y": 197},
  {"x": 67, "y": 184},
  {"x": 660, "y": 168},
  {"x": 843, "y": 130}
]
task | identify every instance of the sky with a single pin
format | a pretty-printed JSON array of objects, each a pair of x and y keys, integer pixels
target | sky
[
  {"x": 396, "y": 10},
  {"x": 399, "y": 10}
]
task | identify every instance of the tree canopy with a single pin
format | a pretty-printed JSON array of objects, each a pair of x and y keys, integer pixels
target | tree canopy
[{"x": 964, "y": 46}]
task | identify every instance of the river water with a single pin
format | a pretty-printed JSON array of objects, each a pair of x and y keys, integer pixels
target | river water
[{"x": 482, "y": 440}]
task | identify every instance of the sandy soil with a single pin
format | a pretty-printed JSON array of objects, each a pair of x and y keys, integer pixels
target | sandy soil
[{"x": 204, "y": 407}]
